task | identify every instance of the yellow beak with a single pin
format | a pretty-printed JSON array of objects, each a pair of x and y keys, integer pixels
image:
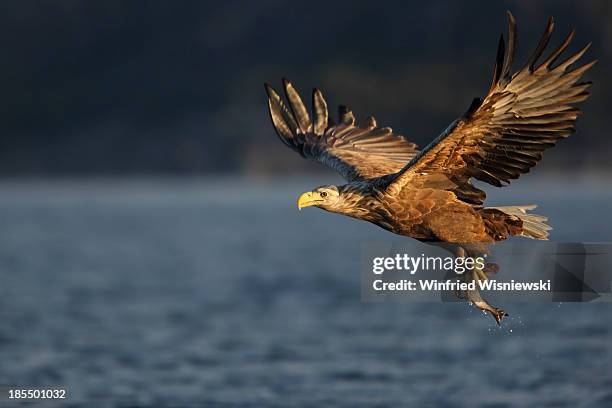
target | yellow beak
[{"x": 307, "y": 199}]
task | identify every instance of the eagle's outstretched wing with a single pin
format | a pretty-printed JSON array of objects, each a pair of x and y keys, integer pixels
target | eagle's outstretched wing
[
  {"x": 356, "y": 152},
  {"x": 505, "y": 134}
]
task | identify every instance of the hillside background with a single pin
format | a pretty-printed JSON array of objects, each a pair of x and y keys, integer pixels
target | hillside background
[{"x": 132, "y": 88}]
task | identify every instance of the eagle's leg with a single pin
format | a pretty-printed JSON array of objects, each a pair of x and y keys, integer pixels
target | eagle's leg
[
  {"x": 479, "y": 274},
  {"x": 473, "y": 295}
]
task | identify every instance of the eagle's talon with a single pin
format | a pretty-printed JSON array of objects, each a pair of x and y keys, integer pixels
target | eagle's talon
[
  {"x": 498, "y": 314},
  {"x": 477, "y": 300}
]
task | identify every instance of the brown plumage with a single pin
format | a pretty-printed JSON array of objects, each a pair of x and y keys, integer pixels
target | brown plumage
[{"x": 428, "y": 195}]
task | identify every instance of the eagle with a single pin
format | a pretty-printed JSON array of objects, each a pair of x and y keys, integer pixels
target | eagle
[{"x": 428, "y": 194}]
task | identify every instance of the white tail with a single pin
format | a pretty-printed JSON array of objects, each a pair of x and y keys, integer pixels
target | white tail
[{"x": 534, "y": 225}]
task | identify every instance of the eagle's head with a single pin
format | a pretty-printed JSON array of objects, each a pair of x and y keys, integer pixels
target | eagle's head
[{"x": 325, "y": 197}]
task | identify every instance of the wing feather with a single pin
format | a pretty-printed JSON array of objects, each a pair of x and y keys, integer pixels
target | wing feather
[
  {"x": 320, "y": 112},
  {"x": 283, "y": 121},
  {"x": 356, "y": 152},
  {"x": 521, "y": 116},
  {"x": 297, "y": 107}
]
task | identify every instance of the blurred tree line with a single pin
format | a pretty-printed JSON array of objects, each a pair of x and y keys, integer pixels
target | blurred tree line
[{"x": 160, "y": 87}]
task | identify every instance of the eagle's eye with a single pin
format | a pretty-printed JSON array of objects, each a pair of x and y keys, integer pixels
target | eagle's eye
[{"x": 323, "y": 194}]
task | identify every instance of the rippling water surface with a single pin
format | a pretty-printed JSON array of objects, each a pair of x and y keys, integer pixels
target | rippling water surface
[{"x": 220, "y": 293}]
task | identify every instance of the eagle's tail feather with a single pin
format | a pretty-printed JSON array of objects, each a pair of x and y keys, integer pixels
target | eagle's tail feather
[{"x": 534, "y": 225}]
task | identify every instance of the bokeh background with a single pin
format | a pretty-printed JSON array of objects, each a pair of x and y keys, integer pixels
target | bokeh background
[
  {"x": 150, "y": 250},
  {"x": 123, "y": 88}
]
